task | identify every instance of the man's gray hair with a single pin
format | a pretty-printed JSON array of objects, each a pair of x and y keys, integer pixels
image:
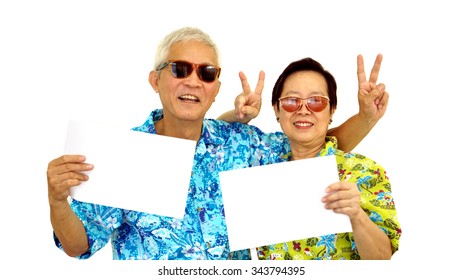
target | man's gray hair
[{"x": 182, "y": 35}]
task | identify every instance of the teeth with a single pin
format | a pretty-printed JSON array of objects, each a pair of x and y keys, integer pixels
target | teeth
[
  {"x": 303, "y": 124},
  {"x": 190, "y": 97}
]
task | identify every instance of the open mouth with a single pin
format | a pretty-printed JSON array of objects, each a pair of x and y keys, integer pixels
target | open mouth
[
  {"x": 303, "y": 124},
  {"x": 189, "y": 98}
]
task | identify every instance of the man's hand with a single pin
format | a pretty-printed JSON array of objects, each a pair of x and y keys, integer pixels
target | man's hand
[{"x": 62, "y": 174}]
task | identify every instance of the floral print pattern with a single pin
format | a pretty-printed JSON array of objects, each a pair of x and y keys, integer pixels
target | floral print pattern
[
  {"x": 202, "y": 233},
  {"x": 376, "y": 201}
]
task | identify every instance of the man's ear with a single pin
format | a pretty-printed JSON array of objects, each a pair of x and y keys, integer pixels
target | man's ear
[
  {"x": 154, "y": 80},
  {"x": 217, "y": 89},
  {"x": 219, "y": 83}
]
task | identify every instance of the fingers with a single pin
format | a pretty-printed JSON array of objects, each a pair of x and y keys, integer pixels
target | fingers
[
  {"x": 248, "y": 103},
  {"x": 60, "y": 184},
  {"x": 342, "y": 197},
  {"x": 338, "y": 186},
  {"x": 244, "y": 83},
  {"x": 68, "y": 163},
  {"x": 374, "y": 74},
  {"x": 375, "y": 70},
  {"x": 250, "y": 112},
  {"x": 240, "y": 101},
  {"x": 260, "y": 83},
  {"x": 375, "y": 94},
  {"x": 66, "y": 159},
  {"x": 360, "y": 70},
  {"x": 382, "y": 101},
  {"x": 65, "y": 172}
]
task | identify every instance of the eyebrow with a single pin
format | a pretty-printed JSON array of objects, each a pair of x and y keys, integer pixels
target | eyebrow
[{"x": 311, "y": 93}]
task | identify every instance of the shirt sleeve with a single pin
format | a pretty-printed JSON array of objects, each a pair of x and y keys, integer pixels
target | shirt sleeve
[
  {"x": 263, "y": 148},
  {"x": 376, "y": 195},
  {"x": 99, "y": 222}
]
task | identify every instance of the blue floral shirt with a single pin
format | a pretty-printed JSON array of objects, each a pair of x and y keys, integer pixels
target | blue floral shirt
[{"x": 202, "y": 233}]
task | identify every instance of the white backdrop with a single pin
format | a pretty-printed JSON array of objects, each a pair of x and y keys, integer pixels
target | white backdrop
[{"x": 91, "y": 59}]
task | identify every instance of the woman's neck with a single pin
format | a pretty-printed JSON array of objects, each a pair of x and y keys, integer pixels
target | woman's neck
[{"x": 305, "y": 150}]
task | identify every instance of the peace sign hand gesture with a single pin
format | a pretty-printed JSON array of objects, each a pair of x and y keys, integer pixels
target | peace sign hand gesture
[
  {"x": 248, "y": 103},
  {"x": 372, "y": 97}
]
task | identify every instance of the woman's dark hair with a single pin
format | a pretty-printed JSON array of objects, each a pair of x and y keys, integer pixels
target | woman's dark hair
[{"x": 306, "y": 64}]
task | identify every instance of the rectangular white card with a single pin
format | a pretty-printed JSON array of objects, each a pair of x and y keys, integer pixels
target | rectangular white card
[
  {"x": 132, "y": 170},
  {"x": 280, "y": 202}
]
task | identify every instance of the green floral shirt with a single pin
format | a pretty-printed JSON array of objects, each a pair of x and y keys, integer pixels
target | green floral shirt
[{"x": 376, "y": 201}]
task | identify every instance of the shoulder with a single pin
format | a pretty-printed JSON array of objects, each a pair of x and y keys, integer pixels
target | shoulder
[
  {"x": 360, "y": 168},
  {"x": 355, "y": 159},
  {"x": 226, "y": 129},
  {"x": 148, "y": 124}
]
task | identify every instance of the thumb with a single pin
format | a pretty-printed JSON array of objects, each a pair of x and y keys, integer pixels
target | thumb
[
  {"x": 239, "y": 103},
  {"x": 250, "y": 112},
  {"x": 381, "y": 88},
  {"x": 376, "y": 92}
]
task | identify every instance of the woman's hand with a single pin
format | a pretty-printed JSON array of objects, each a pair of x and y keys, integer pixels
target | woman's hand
[{"x": 343, "y": 197}]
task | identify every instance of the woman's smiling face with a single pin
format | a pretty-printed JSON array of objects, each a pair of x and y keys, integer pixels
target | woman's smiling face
[{"x": 304, "y": 127}]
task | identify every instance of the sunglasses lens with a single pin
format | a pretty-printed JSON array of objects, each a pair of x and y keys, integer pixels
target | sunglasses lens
[
  {"x": 314, "y": 103},
  {"x": 290, "y": 104},
  {"x": 317, "y": 103},
  {"x": 181, "y": 69},
  {"x": 207, "y": 73}
]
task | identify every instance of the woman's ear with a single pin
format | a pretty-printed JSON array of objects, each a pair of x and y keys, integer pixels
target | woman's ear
[
  {"x": 332, "y": 110},
  {"x": 276, "y": 110}
]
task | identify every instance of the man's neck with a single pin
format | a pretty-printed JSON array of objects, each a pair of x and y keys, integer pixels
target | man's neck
[{"x": 181, "y": 129}]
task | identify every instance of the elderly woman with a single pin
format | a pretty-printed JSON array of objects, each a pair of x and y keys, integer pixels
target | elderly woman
[{"x": 304, "y": 101}]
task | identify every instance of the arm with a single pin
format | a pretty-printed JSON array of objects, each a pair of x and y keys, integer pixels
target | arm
[
  {"x": 248, "y": 103},
  {"x": 372, "y": 243},
  {"x": 62, "y": 174},
  {"x": 373, "y": 100}
]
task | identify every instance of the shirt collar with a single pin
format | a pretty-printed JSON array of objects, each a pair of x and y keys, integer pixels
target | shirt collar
[
  {"x": 331, "y": 145},
  {"x": 209, "y": 134}
]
